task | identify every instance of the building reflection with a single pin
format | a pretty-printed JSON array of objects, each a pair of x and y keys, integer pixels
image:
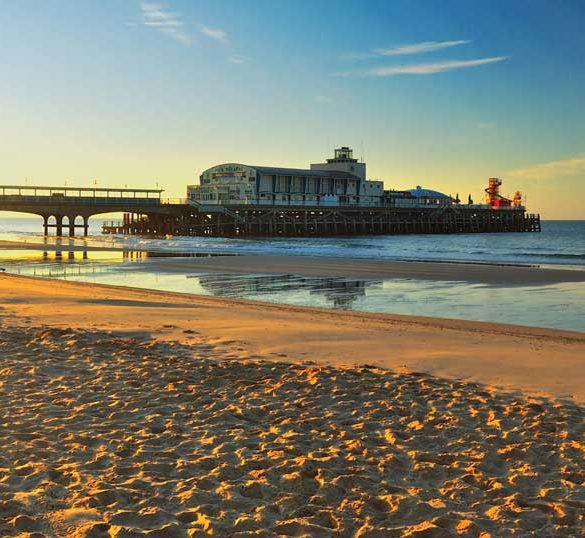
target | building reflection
[{"x": 338, "y": 293}]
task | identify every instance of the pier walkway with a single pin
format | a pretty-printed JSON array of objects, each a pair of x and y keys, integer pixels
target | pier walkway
[{"x": 69, "y": 208}]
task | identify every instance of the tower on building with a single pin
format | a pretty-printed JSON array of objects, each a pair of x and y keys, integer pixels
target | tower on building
[{"x": 343, "y": 161}]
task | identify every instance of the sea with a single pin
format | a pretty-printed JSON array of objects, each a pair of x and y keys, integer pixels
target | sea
[{"x": 561, "y": 244}]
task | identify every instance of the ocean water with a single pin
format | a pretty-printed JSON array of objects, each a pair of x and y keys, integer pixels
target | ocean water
[{"x": 561, "y": 244}]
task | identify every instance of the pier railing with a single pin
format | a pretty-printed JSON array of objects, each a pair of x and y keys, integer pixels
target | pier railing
[
  {"x": 76, "y": 199},
  {"x": 94, "y": 193}
]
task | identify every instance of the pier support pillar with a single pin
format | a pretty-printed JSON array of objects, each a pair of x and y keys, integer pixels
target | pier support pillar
[
  {"x": 59, "y": 225},
  {"x": 46, "y": 225},
  {"x": 71, "y": 226},
  {"x": 85, "y": 226}
]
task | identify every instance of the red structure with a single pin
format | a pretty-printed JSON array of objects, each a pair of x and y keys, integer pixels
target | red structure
[{"x": 496, "y": 200}]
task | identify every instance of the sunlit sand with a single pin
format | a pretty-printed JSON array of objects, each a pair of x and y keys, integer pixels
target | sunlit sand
[{"x": 116, "y": 436}]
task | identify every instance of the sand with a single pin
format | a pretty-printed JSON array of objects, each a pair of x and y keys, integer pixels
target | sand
[
  {"x": 117, "y": 436},
  {"x": 136, "y": 413}
]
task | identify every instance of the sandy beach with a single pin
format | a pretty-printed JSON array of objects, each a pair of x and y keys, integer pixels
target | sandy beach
[
  {"x": 132, "y": 412},
  {"x": 292, "y": 269}
]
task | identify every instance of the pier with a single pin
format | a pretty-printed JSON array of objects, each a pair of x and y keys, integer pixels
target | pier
[{"x": 67, "y": 210}]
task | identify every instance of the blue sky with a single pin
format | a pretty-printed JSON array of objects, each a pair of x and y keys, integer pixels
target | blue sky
[{"x": 439, "y": 93}]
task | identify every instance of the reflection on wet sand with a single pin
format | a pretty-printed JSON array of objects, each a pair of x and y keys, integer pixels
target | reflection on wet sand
[
  {"x": 339, "y": 292},
  {"x": 60, "y": 254},
  {"x": 69, "y": 251},
  {"x": 556, "y": 306}
]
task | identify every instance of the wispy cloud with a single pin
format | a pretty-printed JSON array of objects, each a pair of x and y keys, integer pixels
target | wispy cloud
[
  {"x": 421, "y": 69},
  {"x": 162, "y": 19},
  {"x": 214, "y": 33},
  {"x": 486, "y": 125},
  {"x": 167, "y": 22},
  {"x": 238, "y": 59},
  {"x": 418, "y": 48},
  {"x": 413, "y": 48},
  {"x": 552, "y": 170}
]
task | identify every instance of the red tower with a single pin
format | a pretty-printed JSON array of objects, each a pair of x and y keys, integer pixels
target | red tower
[{"x": 494, "y": 198}]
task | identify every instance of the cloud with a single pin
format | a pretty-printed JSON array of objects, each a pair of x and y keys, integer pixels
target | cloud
[
  {"x": 552, "y": 170},
  {"x": 161, "y": 19},
  {"x": 238, "y": 59},
  {"x": 414, "y": 48},
  {"x": 418, "y": 48},
  {"x": 216, "y": 34},
  {"x": 486, "y": 125},
  {"x": 421, "y": 69}
]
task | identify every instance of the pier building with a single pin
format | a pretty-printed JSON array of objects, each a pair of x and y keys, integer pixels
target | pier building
[{"x": 340, "y": 180}]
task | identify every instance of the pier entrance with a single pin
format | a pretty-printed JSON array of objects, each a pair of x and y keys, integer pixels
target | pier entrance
[{"x": 66, "y": 210}]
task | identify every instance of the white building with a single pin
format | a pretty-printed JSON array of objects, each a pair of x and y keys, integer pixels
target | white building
[{"x": 339, "y": 181}]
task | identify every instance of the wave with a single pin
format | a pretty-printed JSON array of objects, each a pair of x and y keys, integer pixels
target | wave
[{"x": 550, "y": 255}]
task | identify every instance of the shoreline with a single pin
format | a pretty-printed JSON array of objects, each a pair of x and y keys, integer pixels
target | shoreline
[
  {"x": 474, "y": 272},
  {"x": 511, "y": 357}
]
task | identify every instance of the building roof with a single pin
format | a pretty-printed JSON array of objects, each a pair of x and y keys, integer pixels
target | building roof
[
  {"x": 303, "y": 172},
  {"x": 421, "y": 192}
]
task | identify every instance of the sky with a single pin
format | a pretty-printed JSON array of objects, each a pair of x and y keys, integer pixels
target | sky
[{"x": 440, "y": 93}]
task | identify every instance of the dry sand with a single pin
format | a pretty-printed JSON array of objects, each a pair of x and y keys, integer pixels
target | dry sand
[
  {"x": 185, "y": 421},
  {"x": 117, "y": 436}
]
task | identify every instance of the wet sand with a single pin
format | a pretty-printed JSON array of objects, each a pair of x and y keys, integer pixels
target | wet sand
[
  {"x": 497, "y": 274},
  {"x": 55, "y": 244},
  {"x": 138, "y": 413}
]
